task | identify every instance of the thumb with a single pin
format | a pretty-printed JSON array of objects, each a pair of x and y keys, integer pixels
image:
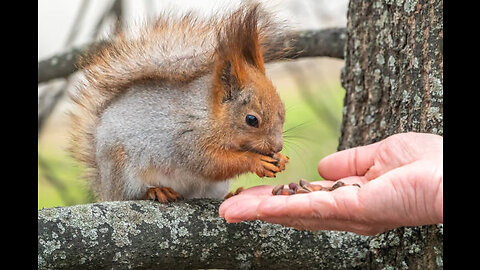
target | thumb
[{"x": 351, "y": 162}]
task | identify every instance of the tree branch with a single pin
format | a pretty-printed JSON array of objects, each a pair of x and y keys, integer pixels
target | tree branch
[
  {"x": 312, "y": 43},
  {"x": 63, "y": 64},
  {"x": 190, "y": 235}
]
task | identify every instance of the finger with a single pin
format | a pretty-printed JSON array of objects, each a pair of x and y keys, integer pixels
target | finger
[
  {"x": 241, "y": 210},
  {"x": 351, "y": 162},
  {"x": 340, "y": 203},
  {"x": 347, "y": 180},
  {"x": 337, "y": 210},
  {"x": 321, "y": 204},
  {"x": 313, "y": 224},
  {"x": 261, "y": 191},
  {"x": 229, "y": 202},
  {"x": 258, "y": 190},
  {"x": 298, "y": 205},
  {"x": 405, "y": 196}
]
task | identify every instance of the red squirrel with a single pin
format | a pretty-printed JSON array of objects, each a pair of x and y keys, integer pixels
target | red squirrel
[{"x": 180, "y": 109}]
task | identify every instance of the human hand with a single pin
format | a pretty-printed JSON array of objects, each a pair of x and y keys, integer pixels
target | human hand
[{"x": 401, "y": 181}]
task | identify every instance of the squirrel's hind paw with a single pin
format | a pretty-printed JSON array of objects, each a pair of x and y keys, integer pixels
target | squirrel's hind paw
[{"x": 162, "y": 194}]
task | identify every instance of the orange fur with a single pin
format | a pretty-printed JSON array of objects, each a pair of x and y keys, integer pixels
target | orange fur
[
  {"x": 227, "y": 164},
  {"x": 238, "y": 50}
]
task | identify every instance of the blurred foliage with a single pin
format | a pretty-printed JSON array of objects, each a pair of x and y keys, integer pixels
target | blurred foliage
[
  {"x": 312, "y": 128},
  {"x": 59, "y": 181}
]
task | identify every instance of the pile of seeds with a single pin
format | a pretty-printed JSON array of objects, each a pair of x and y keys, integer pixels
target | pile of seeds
[{"x": 305, "y": 187}]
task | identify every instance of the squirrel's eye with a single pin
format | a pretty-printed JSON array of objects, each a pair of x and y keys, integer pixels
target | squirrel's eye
[{"x": 251, "y": 120}]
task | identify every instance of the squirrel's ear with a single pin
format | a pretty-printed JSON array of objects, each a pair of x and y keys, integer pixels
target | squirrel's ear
[
  {"x": 243, "y": 37},
  {"x": 238, "y": 45},
  {"x": 239, "y": 40},
  {"x": 230, "y": 81},
  {"x": 229, "y": 77}
]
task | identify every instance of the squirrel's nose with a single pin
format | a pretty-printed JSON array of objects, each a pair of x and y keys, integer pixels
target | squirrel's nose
[{"x": 277, "y": 144}]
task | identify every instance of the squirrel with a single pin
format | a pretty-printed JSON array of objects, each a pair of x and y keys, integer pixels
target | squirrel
[{"x": 180, "y": 109}]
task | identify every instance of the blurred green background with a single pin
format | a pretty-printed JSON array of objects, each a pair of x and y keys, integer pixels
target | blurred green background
[{"x": 313, "y": 97}]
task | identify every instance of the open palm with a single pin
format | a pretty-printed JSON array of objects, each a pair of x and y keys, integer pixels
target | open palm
[{"x": 401, "y": 181}]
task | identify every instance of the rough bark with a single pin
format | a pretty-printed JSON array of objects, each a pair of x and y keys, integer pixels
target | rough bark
[
  {"x": 393, "y": 77},
  {"x": 393, "y": 74},
  {"x": 190, "y": 235},
  {"x": 325, "y": 42}
]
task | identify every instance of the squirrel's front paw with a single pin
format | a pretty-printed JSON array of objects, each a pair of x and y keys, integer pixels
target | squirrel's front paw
[
  {"x": 282, "y": 160},
  {"x": 162, "y": 194},
  {"x": 269, "y": 166}
]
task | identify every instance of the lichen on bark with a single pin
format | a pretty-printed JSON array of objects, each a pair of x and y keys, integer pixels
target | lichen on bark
[
  {"x": 393, "y": 74},
  {"x": 393, "y": 78}
]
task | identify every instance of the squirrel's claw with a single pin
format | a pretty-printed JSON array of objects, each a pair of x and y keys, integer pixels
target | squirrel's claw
[
  {"x": 162, "y": 194},
  {"x": 282, "y": 160}
]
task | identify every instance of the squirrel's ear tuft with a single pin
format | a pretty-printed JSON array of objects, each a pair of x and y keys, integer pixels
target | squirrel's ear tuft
[
  {"x": 238, "y": 45},
  {"x": 239, "y": 41}
]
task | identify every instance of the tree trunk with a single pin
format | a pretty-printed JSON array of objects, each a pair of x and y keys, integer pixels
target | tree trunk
[
  {"x": 393, "y": 77},
  {"x": 393, "y": 74}
]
